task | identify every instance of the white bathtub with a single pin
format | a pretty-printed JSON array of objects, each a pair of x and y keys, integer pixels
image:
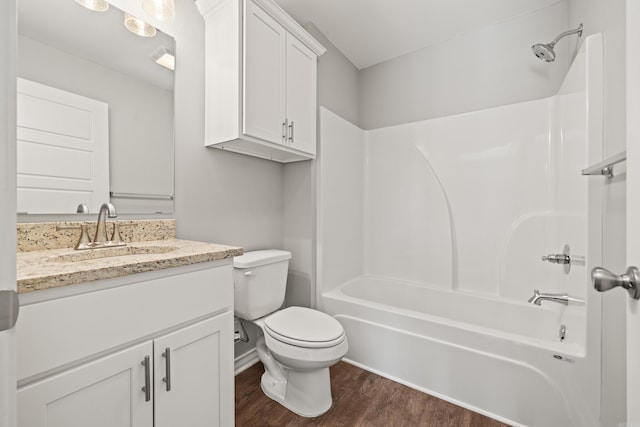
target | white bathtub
[{"x": 457, "y": 346}]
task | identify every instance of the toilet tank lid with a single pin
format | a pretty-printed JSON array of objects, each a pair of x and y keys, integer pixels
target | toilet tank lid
[{"x": 263, "y": 257}]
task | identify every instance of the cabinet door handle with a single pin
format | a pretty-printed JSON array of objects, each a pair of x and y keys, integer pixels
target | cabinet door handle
[
  {"x": 167, "y": 366},
  {"x": 147, "y": 379},
  {"x": 285, "y": 130},
  {"x": 291, "y": 132}
]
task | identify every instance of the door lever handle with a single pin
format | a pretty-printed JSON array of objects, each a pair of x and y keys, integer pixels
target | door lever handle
[
  {"x": 9, "y": 308},
  {"x": 604, "y": 280}
]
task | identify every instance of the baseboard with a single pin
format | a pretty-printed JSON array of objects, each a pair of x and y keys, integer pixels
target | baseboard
[{"x": 245, "y": 361}]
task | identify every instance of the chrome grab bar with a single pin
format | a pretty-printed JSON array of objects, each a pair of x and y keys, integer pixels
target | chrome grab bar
[{"x": 141, "y": 196}]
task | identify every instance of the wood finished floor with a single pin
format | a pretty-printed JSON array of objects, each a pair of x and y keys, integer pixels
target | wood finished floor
[{"x": 360, "y": 399}]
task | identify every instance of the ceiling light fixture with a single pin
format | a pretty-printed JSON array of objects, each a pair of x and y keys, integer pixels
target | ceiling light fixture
[
  {"x": 95, "y": 5},
  {"x": 138, "y": 26},
  {"x": 165, "y": 57},
  {"x": 162, "y": 10}
]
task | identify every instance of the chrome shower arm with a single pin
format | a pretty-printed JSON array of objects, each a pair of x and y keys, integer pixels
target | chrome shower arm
[{"x": 567, "y": 33}]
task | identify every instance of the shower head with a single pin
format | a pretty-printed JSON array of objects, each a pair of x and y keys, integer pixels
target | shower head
[{"x": 545, "y": 51}]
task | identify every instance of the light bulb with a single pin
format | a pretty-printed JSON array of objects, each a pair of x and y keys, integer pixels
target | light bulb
[
  {"x": 138, "y": 26},
  {"x": 96, "y": 5},
  {"x": 162, "y": 10}
]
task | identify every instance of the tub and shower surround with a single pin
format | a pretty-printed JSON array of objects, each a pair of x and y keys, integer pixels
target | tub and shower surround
[{"x": 443, "y": 224}]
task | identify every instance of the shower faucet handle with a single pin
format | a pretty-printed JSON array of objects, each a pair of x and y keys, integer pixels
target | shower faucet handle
[
  {"x": 557, "y": 258},
  {"x": 563, "y": 259}
]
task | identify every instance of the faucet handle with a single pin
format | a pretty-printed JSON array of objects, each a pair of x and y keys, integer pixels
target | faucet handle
[
  {"x": 84, "y": 242},
  {"x": 565, "y": 259},
  {"x": 116, "y": 237},
  {"x": 557, "y": 258}
]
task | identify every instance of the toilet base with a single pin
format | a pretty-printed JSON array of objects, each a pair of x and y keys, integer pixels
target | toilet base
[{"x": 307, "y": 393}]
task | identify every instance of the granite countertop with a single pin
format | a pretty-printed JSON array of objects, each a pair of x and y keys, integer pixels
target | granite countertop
[{"x": 51, "y": 268}]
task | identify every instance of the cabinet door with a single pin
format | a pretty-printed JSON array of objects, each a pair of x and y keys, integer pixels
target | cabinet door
[
  {"x": 264, "y": 75},
  {"x": 194, "y": 385},
  {"x": 301, "y": 96},
  {"x": 104, "y": 393}
]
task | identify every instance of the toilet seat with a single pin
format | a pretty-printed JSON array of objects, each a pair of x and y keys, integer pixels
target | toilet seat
[{"x": 304, "y": 327}]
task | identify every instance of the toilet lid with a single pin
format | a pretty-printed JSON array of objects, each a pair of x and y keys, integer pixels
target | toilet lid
[{"x": 304, "y": 327}]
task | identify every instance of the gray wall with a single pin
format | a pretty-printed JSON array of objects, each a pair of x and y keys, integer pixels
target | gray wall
[
  {"x": 337, "y": 79},
  {"x": 337, "y": 90},
  {"x": 609, "y": 19},
  {"x": 487, "y": 68},
  {"x": 221, "y": 197}
]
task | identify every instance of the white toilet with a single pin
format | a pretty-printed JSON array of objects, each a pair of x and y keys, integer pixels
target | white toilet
[{"x": 297, "y": 345}]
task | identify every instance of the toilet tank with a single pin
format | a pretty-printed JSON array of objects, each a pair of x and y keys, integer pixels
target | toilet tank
[{"x": 259, "y": 282}]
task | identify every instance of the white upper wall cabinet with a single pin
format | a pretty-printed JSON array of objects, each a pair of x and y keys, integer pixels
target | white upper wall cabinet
[
  {"x": 260, "y": 80},
  {"x": 301, "y": 96},
  {"x": 264, "y": 76}
]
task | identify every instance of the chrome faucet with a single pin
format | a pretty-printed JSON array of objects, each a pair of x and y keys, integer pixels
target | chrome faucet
[
  {"x": 538, "y": 297},
  {"x": 101, "y": 239}
]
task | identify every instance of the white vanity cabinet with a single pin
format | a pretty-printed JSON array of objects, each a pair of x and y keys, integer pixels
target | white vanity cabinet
[
  {"x": 261, "y": 69},
  {"x": 105, "y": 392},
  {"x": 187, "y": 383},
  {"x": 152, "y": 349}
]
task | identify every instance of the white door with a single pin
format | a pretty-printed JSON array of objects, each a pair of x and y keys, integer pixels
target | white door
[
  {"x": 8, "y": 24},
  {"x": 194, "y": 375},
  {"x": 633, "y": 206},
  {"x": 107, "y": 392},
  {"x": 62, "y": 150}
]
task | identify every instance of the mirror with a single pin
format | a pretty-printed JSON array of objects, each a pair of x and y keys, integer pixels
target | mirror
[{"x": 66, "y": 47}]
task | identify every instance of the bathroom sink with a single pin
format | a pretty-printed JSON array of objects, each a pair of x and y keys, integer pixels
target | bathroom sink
[{"x": 91, "y": 254}]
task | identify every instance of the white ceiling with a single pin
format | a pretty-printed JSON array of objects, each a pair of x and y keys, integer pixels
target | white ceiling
[{"x": 373, "y": 31}]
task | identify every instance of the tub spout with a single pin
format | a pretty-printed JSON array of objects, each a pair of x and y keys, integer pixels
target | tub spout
[{"x": 538, "y": 297}]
